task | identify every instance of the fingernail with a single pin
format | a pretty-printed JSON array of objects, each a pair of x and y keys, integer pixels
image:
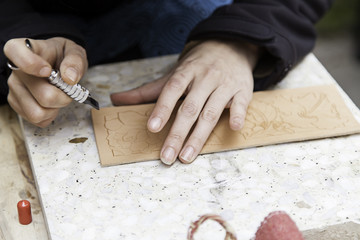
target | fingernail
[
  {"x": 237, "y": 124},
  {"x": 71, "y": 73},
  {"x": 45, "y": 71},
  {"x": 187, "y": 154},
  {"x": 168, "y": 156},
  {"x": 155, "y": 123}
]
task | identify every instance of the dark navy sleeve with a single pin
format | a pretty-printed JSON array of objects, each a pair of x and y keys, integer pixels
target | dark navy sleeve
[{"x": 284, "y": 29}]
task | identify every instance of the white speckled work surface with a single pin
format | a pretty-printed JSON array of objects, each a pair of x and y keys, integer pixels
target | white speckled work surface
[{"x": 316, "y": 182}]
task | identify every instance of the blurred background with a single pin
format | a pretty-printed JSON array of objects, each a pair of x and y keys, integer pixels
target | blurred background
[{"x": 338, "y": 45}]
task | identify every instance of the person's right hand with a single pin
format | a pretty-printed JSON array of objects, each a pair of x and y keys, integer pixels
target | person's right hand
[{"x": 30, "y": 93}]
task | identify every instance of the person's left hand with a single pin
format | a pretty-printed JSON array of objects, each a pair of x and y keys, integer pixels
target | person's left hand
[{"x": 213, "y": 75}]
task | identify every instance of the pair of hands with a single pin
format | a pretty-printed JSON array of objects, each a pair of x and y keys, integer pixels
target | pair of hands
[{"x": 213, "y": 75}]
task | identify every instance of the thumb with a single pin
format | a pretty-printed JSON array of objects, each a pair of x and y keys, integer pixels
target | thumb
[
  {"x": 143, "y": 94},
  {"x": 74, "y": 64}
]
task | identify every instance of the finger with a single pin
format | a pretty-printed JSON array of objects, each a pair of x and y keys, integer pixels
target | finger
[
  {"x": 25, "y": 59},
  {"x": 27, "y": 106},
  {"x": 74, "y": 64},
  {"x": 14, "y": 104},
  {"x": 186, "y": 116},
  {"x": 206, "y": 122},
  {"x": 172, "y": 91},
  {"x": 46, "y": 94},
  {"x": 238, "y": 109},
  {"x": 143, "y": 94}
]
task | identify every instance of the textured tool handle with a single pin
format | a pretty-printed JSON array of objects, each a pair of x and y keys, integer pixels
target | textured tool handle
[{"x": 76, "y": 92}]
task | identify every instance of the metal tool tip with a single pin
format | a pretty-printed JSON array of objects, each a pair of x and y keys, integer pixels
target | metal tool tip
[{"x": 92, "y": 102}]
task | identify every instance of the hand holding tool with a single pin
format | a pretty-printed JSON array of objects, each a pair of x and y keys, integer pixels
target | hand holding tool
[{"x": 76, "y": 92}]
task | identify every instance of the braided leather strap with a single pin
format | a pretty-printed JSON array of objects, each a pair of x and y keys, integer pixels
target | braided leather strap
[{"x": 230, "y": 233}]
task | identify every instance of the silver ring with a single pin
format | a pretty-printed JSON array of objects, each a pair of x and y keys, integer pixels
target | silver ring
[
  {"x": 28, "y": 44},
  {"x": 12, "y": 66}
]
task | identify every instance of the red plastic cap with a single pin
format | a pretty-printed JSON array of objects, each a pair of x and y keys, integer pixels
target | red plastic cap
[
  {"x": 24, "y": 212},
  {"x": 278, "y": 226}
]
